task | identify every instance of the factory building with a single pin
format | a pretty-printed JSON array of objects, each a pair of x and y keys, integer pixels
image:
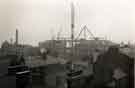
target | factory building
[{"x": 82, "y": 47}]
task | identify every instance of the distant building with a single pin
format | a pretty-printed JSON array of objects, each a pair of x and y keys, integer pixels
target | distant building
[
  {"x": 86, "y": 47},
  {"x": 54, "y": 46},
  {"x": 13, "y": 49},
  {"x": 130, "y": 51},
  {"x": 81, "y": 47}
]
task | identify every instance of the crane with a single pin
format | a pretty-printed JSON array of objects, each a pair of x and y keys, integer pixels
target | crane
[{"x": 85, "y": 30}]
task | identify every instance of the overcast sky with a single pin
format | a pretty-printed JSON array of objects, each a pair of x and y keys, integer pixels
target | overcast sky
[{"x": 39, "y": 20}]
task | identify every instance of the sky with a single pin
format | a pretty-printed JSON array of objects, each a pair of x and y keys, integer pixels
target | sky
[{"x": 40, "y": 20}]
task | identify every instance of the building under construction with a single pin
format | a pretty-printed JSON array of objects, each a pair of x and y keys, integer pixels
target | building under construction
[
  {"x": 75, "y": 62},
  {"x": 107, "y": 68}
]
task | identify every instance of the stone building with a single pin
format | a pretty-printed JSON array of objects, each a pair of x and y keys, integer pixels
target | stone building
[{"x": 111, "y": 63}]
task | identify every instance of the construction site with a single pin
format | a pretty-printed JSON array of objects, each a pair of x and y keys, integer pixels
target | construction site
[{"x": 78, "y": 61}]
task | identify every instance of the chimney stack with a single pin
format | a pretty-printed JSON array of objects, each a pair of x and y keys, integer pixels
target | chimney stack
[{"x": 16, "y": 42}]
